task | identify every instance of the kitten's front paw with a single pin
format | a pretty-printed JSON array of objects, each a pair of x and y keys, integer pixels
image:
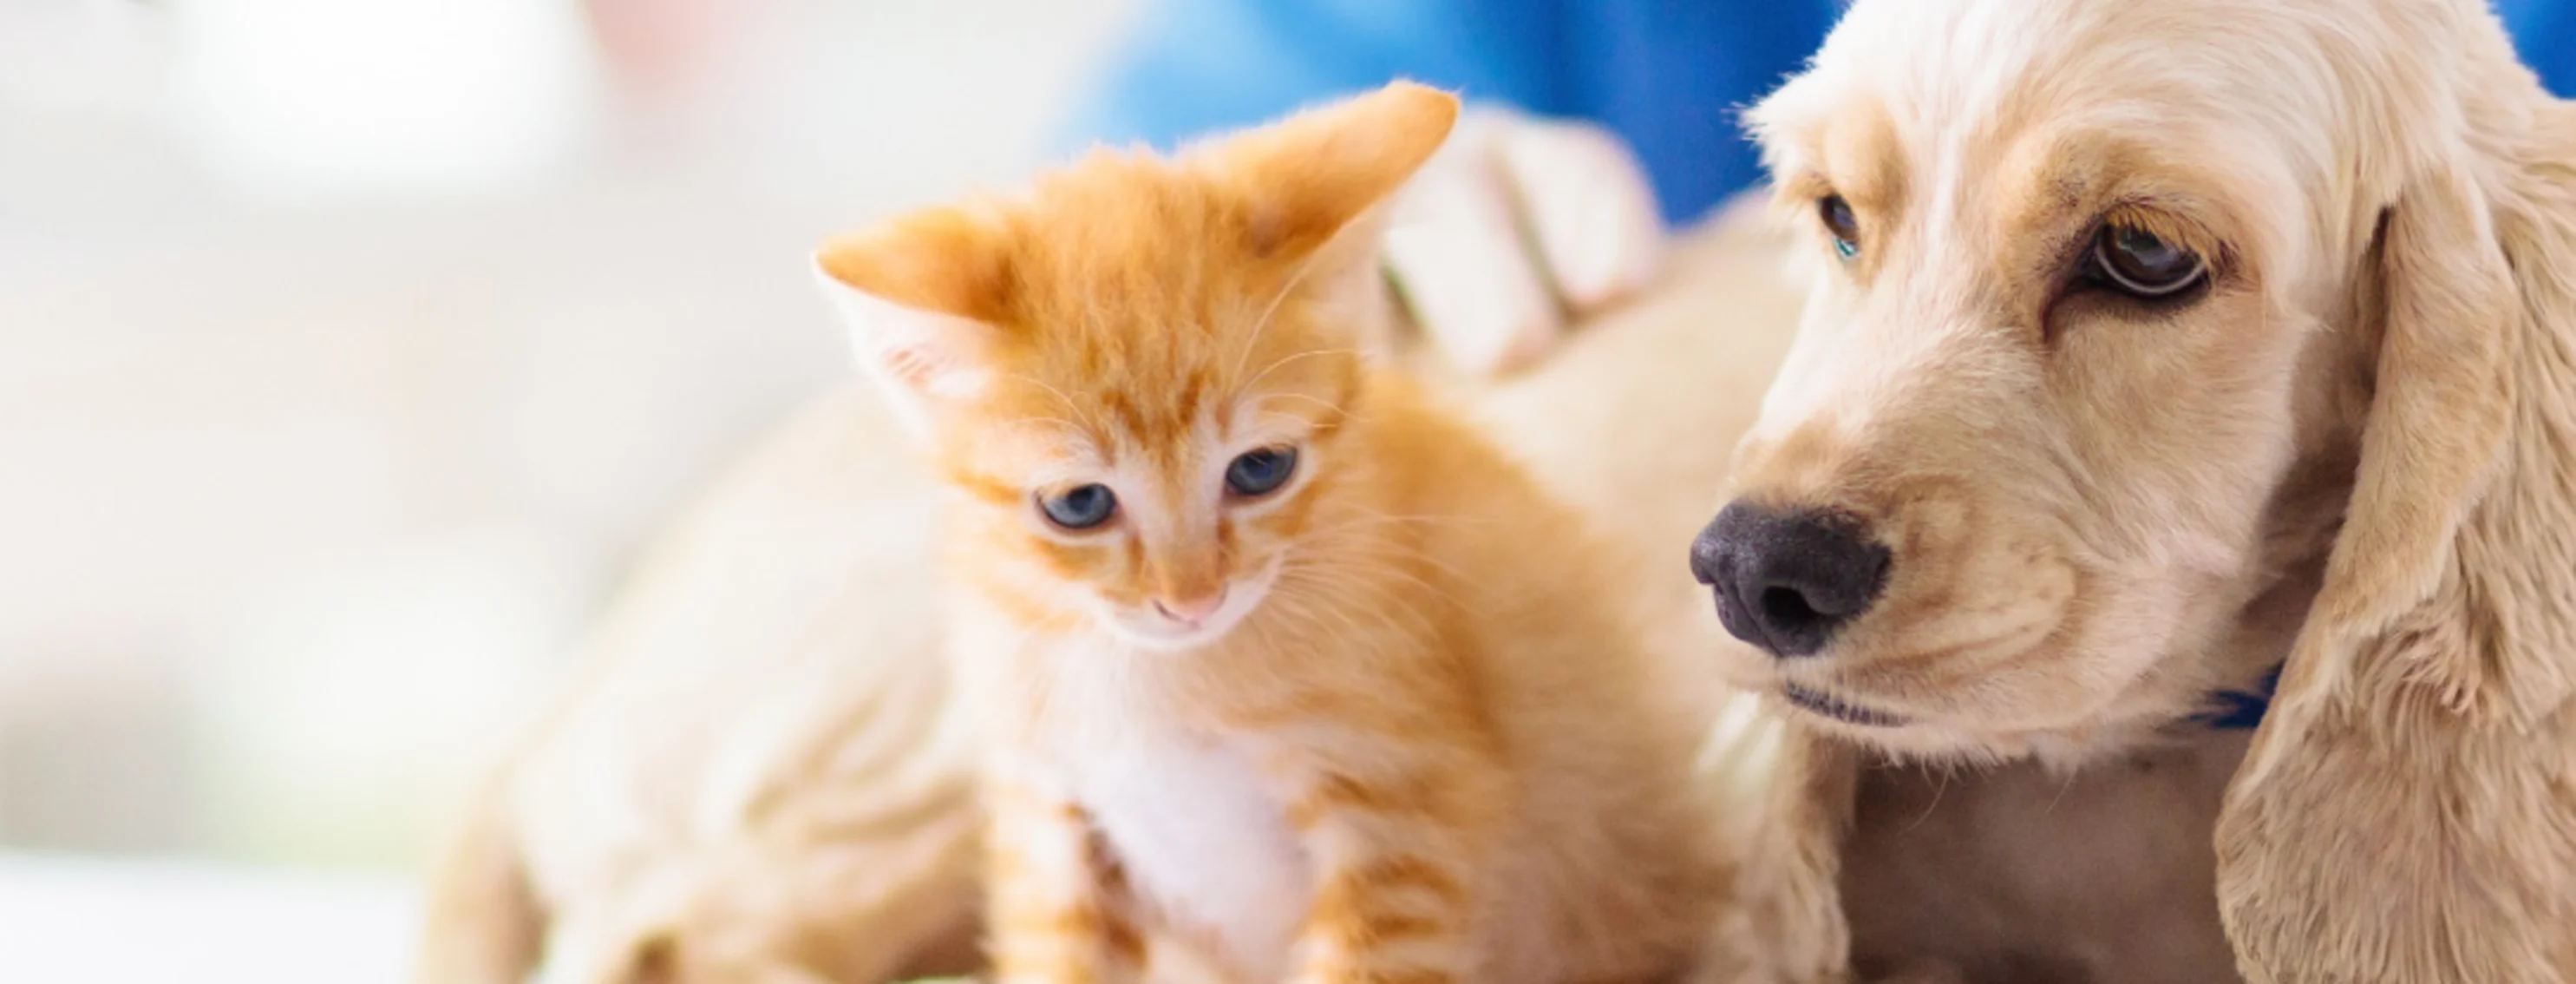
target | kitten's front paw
[{"x": 1518, "y": 223}]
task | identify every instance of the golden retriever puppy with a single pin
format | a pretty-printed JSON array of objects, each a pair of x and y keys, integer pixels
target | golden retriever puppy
[{"x": 2157, "y": 346}]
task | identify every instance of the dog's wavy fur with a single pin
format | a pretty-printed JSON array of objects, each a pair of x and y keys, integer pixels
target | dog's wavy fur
[{"x": 2355, "y": 450}]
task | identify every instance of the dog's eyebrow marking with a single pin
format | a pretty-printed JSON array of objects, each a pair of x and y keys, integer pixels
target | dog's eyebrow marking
[
  {"x": 2066, "y": 183},
  {"x": 1860, "y": 154},
  {"x": 1795, "y": 192},
  {"x": 1852, "y": 152}
]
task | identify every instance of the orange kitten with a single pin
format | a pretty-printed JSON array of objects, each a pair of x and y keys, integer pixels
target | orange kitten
[{"x": 1291, "y": 674}]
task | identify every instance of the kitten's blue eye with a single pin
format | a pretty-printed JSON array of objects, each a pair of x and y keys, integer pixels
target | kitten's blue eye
[
  {"x": 1261, "y": 471},
  {"x": 1841, "y": 224},
  {"x": 1080, "y": 507}
]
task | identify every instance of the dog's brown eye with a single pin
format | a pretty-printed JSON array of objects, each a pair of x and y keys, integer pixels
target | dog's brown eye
[
  {"x": 1840, "y": 222},
  {"x": 2141, "y": 264}
]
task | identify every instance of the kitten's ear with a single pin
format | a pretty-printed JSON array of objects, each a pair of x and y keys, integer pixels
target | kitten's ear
[
  {"x": 1311, "y": 175},
  {"x": 920, "y": 297}
]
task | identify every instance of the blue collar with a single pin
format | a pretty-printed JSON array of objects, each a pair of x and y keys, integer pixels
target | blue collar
[{"x": 2235, "y": 709}]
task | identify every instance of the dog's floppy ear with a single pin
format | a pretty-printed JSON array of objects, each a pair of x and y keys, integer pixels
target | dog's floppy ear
[
  {"x": 2405, "y": 811},
  {"x": 2437, "y": 427}
]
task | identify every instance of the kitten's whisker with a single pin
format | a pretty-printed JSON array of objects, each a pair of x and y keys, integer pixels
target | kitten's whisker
[
  {"x": 1089, "y": 424},
  {"x": 1335, "y": 609},
  {"x": 1376, "y": 548},
  {"x": 1284, "y": 360},
  {"x": 1429, "y": 517},
  {"x": 1417, "y": 581},
  {"x": 1303, "y": 614},
  {"x": 1349, "y": 593},
  {"x": 1316, "y": 400},
  {"x": 1271, "y": 310},
  {"x": 1069, "y": 433}
]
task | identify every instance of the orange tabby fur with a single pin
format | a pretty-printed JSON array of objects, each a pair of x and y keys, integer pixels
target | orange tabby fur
[{"x": 1400, "y": 729}]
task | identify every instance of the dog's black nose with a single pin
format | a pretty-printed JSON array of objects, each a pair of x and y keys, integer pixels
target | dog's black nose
[{"x": 1786, "y": 580}]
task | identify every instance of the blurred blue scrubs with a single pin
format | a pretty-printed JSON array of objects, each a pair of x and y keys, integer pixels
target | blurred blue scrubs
[{"x": 1667, "y": 75}]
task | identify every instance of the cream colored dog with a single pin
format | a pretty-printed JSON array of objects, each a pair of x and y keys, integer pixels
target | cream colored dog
[{"x": 2157, "y": 345}]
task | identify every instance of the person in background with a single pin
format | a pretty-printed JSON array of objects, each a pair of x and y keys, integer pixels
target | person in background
[{"x": 1604, "y": 121}]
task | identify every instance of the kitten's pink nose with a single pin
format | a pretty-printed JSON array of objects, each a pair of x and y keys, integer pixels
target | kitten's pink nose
[{"x": 1192, "y": 610}]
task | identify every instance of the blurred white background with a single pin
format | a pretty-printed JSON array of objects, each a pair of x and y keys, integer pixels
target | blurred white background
[{"x": 348, "y": 346}]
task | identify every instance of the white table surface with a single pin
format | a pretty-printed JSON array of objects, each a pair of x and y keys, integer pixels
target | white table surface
[{"x": 83, "y": 921}]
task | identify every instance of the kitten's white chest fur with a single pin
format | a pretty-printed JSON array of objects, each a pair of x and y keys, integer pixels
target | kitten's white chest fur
[{"x": 1205, "y": 841}]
